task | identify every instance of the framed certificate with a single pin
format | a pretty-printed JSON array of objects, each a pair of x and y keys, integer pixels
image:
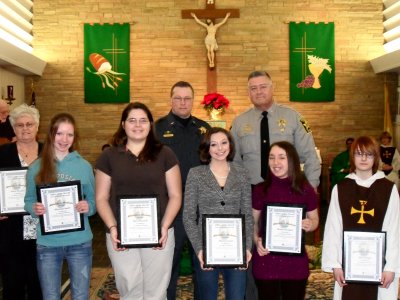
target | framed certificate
[
  {"x": 139, "y": 221},
  {"x": 363, "y": 256},
  {"x": 60, "y": 200},
  {"x": 224, "y": 242},
  {"x": 12, "y": 191},
  {"x": 282, "y": 233}
]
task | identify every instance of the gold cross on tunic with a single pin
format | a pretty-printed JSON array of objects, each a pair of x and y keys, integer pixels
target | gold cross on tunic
[
  {"x": 387, "y": 154},
  {"x": 362, "y": 211},
  {"x": 210, "y": 12}
]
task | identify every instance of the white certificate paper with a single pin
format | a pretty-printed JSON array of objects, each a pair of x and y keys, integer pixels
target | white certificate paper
[
  {"x": 12, "y": 191},
  {"x": 283, "y": 232},
  {"x": 59, "y": 201},
  {"x": 138, "y": 222},
  {"x": 224, "y": 241},
  {"x": 363, "y": 256}
]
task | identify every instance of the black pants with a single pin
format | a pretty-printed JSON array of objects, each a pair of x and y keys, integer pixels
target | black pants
[
  {"x": 19, "y": 274},
  {"x": 180, "y": 238},
  {"x": 281, "y": 289},
  {"x": 251, "y": 288}
]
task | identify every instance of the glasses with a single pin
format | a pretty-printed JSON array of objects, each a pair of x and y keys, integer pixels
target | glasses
[
  {"x": 262, "y": 87},
  {"x": 141, "y": 121},
  {"x": 180, "y": 99},
  {"x": 362, "y": 154},
  {"x": 26, "y": 125}
]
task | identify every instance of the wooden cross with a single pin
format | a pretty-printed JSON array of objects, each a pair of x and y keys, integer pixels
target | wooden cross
[
  {"x": 362, "y": 211},
  {"x": 210, "y": 12}
]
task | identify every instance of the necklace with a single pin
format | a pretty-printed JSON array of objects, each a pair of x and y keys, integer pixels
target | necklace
[
  {"x": 23, "y": 153},
  {"x": 219, "y": 176}
]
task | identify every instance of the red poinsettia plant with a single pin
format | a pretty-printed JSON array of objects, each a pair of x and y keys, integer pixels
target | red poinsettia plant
[{"x": 215, "y": 101}]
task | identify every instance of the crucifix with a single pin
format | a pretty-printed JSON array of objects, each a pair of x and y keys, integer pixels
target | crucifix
[{"x": 210, "y": 13}]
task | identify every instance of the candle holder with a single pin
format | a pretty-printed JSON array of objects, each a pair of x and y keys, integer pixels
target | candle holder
[
  {"x": 33, "y": 94},
  {"x": 10, "y": 94}
]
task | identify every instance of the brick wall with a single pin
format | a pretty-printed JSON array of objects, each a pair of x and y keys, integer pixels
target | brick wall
[{"x": 166, "y": 48}]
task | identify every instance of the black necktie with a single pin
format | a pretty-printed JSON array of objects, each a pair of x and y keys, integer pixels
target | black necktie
[{"x": 264, "y": 134}]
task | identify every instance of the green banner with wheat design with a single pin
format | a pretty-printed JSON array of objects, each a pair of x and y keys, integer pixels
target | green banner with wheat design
[
  {"x": 106, "y": 63},
  {"x": 312, "y": 62}
]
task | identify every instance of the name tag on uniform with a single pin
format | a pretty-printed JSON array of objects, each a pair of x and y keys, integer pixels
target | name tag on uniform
[{"x": 168, "y": 134}]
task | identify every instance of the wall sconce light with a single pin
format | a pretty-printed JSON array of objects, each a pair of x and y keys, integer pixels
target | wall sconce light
[
  {"x": 10, "y": 94},
  {"x": 33, "y": 94}
]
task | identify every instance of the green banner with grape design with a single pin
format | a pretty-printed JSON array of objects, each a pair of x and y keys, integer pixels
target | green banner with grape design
[
  {"x": 106, "y": 63},
  {"x": 312, "y": 62}
]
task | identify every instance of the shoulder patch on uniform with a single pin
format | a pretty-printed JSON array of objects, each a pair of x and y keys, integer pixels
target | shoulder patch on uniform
[
  {"x": 202, "y": 130},
  {"x": 307, "y": 127}
]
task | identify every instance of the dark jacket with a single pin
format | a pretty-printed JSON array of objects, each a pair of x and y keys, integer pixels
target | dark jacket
[{"x": 183, "y": 140}]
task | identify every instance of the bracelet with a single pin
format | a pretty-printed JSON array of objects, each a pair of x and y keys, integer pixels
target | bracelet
[{"x": 109, "y": 228}]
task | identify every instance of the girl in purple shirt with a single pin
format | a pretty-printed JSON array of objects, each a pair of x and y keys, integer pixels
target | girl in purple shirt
[{"x": 282, "y": 276}]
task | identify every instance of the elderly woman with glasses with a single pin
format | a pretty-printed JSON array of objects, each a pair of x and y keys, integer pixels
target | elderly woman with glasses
[
  {"x": 18, "y": 232},
  {"x": 364, "y": 201}
]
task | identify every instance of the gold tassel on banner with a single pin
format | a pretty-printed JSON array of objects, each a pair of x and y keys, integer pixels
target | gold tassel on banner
[{"x": 387, "y": 120}]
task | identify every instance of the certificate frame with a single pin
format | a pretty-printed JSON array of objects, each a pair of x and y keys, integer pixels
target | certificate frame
[
  {"x": 224, "y": 241},
  {"x": 139, "y": 221},
  {"x": 363, "y": 256},
  {"x": 282, "y": 232},
  {"x": 59, "y": 200},
  {"x": 12, "y": 190}
]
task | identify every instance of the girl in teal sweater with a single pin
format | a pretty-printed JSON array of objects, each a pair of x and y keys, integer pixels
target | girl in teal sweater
[{"x": 59, "y": 163}]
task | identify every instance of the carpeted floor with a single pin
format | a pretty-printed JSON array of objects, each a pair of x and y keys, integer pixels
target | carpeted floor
[
  {"x": 100, "y": 276},
  {"x": 320, "y": 286}
]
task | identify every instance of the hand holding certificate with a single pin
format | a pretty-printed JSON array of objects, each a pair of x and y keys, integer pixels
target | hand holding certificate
[
  {"x": 12, "y": 191},
  {"x": 59, "y": 211},
  {"x": 283, "y": 228},
  {"x": 224, "y": 241},
  {"x": 363, "y": 256},
  {"x": 138, "y": 222}
]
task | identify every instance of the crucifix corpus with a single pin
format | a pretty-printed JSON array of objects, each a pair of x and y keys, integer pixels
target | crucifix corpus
[{"x": 210, "y": 13}]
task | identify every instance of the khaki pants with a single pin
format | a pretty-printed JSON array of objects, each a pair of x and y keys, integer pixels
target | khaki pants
[{"x": 142, "y": 273}]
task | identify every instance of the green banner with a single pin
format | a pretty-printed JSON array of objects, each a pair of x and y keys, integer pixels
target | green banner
[
  {"x": 106, "y": 63},
  {"x": 312, "y": 62}
]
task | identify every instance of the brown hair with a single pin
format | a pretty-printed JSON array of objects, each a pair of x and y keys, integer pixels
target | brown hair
[
  {"x": 152, "y": 146},
  {"x": 365, "y": 144},
  {"x": 48, "y": 169},
  {"x": 258, "y": 73},
  {"x": 204, "y": 147},
  {"x": 387, "y": 135},
  {"x": 182, "y": 84},
  {"x": 295, "y": 174}
]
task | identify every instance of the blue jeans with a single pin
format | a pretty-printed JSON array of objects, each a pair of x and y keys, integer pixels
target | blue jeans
[
  {"x": 234, "y": 283},
  {"x": 49, "y": 265}
]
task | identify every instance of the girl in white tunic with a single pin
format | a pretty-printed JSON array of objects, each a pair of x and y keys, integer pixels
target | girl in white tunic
[{"x": 366, "y": 180}]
